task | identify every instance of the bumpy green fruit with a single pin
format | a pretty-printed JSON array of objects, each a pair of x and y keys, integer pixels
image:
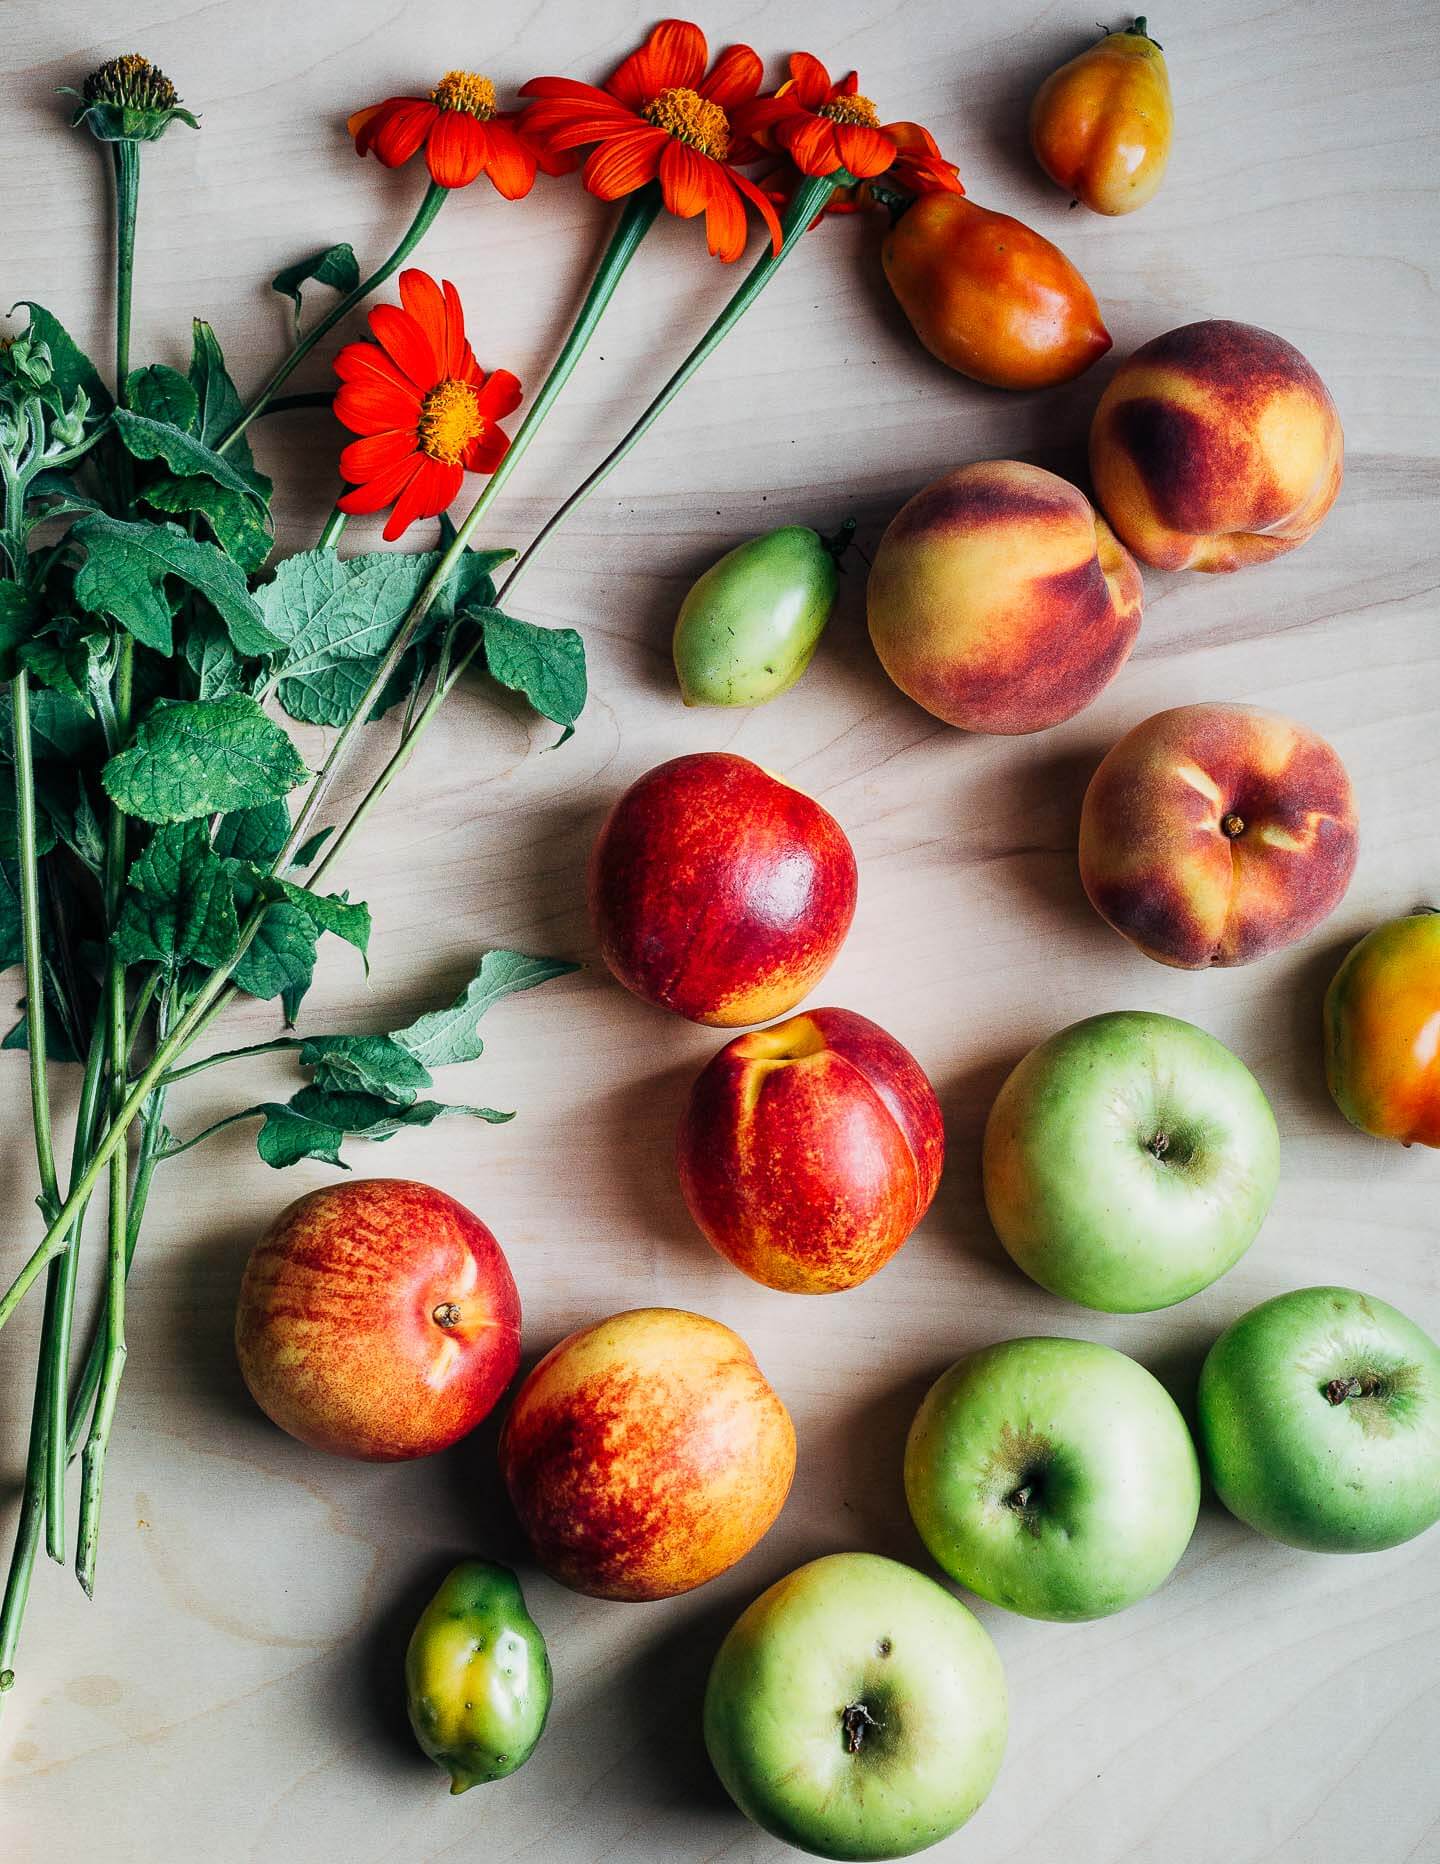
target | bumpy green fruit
[
  {"x": 749, "y": 627},
  {"x": 477, "y": 1676}
]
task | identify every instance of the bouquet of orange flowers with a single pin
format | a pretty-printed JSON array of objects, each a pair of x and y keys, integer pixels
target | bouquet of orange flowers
[{"x": 168, "y": 849}]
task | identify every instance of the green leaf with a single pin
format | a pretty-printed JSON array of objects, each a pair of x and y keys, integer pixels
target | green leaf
[
  {"x": 547, "y": 665},
  {"x": 162, "y": 394},
  {"x": 60, "y": 730},
  {"x": 145, "y": 439},
  {"x": 236, "y": 521},
  {"x": 70, "y": 809},
  {"x": 179, "y": 905},
  {"x": 12, "y": 925},
  {"x": 280, "y": 960},
  {"x": 365, "y": 1065},
  {"x": 327, "y": 912},
  {"x": 316, "y": 1121},
  {"x": 447, "y": 1036},
  {"x": 18, "y": 616},
  {"x": 312, "y": 845},
  {"x": 335, "y": 266},
  {"x": 336, "y": 619},
  {"x": 10, "y": 827},
  {"x": 195, "y": 757},
  {"x": 63, "y": 660},
  {"x": 254, "y": 835},
  {"x": 61, "y": 497},
  {"x": 124, "y": 576},
  {"x": 218, "y": 669},
  {"x": 219, "y": 404},
  {"x": 58, "y": 1046},
  {"x": 72, "y": 368}
]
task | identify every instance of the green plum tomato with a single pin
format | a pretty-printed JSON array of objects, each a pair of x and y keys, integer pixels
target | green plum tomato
[
  {"x": 1053, "y": 1477},
  {"x": 477, "y": 1676},
  {"x": 857, "y": 1710},
  {"x": 1130, "y": 1160},
  {"x": 1319, "y": 1419},
  {"x": 749, "y": 626}
]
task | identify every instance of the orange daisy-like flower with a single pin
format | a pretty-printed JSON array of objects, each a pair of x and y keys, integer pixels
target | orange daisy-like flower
[
  {"x": 427, "y": 411},
  {"x": 660, "y": 116},
  {"x": 821, "y": 126},
  {"x": 462, "y": 132}
]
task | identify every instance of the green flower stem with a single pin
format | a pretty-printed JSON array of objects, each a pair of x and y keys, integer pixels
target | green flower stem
[
  {"x": 30, "y": 927},
  {"x": 332, "y": 529},
  {"x": 808, "y": 201},
  {"x": 275, "y": 1047},
  {"x": 67, "y": 1270},
  {"x": 127, "y": 199},
  {"x": 634, "y": 223},
  {"x": 430, "y": 206}
]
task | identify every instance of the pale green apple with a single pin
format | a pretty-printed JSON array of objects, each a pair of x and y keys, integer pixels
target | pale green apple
[
  {"x": 1320, "y": 1421},
  {"x": 1053, "y": 1477},
  {"x": 857, "y": 1710},
  {"x": 1129, "y": 1161}
]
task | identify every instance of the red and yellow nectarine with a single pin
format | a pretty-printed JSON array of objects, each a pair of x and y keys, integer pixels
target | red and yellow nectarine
[
  {"x": 810, "y": 1150},
  {"x": 719, "y": 891},
  {"x": 646, "y": 1454},
  {"x": 1213, "y": 834},
  {"x": 378, "y": 1319}
]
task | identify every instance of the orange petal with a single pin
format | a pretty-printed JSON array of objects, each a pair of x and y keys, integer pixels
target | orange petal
[
  {"x": 685, "y": 179},
  {"x": 810, "y": 79},
  {"x": 810, "y": 143},
  {"x": 500, "y": 396},
  {"x": 624, "y": 163},
  {"x": 673, "y": 55},
  {"x": 370, "y": 403},
  {"x": 455, "y": 149},
  {"x": 485, "y": 453},
  {"x": 360, "y": 122},
  {"x": 429, "y": 491},
  {"x": 735, "y": 78},
  {"x": 376, "y": 454},
  {"x": 510, "y": 161},
  {"x": 763, "y": 204},
  {"x": 724, "y": 219},
  {"x": 456, "y": 349},
  {"x": 864, "y": 151},
  {"x": 402, "y": 129},
  {"x": 380, "y": 491},
  {"x": 358, "y": 362},
  {"x": 426, "y": 303},
  {"x": 407, "y": 345},
  {"x": 756, "y": 119},
  {"x": 562, "y": 124},
  {"x": 847, "y": 86}
]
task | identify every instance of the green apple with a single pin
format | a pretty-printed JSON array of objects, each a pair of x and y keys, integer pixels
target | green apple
[
  {"x": 1129, "y": 1161},
  {"x": 857, "y": 1710},
  {"x": 1053, "y": 1477},
  {"x": 1320, "y": 1421}
]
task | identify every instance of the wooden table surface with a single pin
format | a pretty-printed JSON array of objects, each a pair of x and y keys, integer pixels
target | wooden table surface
[{"x": 232, "y": 1694}]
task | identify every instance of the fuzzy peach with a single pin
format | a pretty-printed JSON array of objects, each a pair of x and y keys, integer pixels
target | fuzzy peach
[
  {"x": 1000, "y": 600},
  {"x": 1213, "y": 834},
  {"x": 1215, "y": 446},
  {"x": 810, "y": 1150},
  {"x": 646, "y": 1454},
  {"x": 719, "y": 891},
  {"x": 378, "y": 1319}
]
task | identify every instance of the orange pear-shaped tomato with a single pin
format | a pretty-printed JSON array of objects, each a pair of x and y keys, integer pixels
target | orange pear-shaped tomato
[
  {"x": 1101, "y": 125},
  {"x": 989, "y": 296},
  {"x": 1382, "y": 1032}
]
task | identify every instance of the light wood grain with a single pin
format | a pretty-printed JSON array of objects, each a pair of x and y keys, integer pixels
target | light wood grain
[{"x": 233, "y": 1694}]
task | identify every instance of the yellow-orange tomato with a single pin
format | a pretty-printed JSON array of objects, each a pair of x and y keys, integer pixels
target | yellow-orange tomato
[
  {"x": 1382, "y": 1032},
  {"x": 1101, "y": 125},
  {"x": 991, "y": 297}
]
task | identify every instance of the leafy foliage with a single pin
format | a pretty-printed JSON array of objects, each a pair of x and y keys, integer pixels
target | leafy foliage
[
  {"x": 546, "y": 665},
  {"x": 445, "y": 1037},
  {"x": 180, "y": 904},
  {"x": 73, "y": 369},
  {"x": 124, "y": 576},
  {"x": 199, "y": 757},
  {"x": 335, "y": 266}
]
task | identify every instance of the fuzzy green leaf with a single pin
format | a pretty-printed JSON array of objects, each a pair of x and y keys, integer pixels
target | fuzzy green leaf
[
  {"x": 448, "y": 1036},
  {"x": 335, "y": 266},
  {"x": 179, "y": 906},
  {"x": 18, "y": 617},
  {"x": 253, "y": 835},
  {"x": 124, "y": 576},
  {"x": 63, "y": 662},
  {"x": 546, "y": 665},
  {"x": 219, "y": 404},
  {"x": 236, "y": 520},
  {"x": 316, "y": 1121},
  {"x": 218, "y": 669},
  {"x": 72, "y": 368},
  {"x": 198, "y": 756},
  {"x": 162, "y": 394},
  {"x": 61, "y": 731},
  {"x": 336, "y": 620},
  {"x": 10, "y": 828},
  {"x": 146, "y": 439},
  {"x": 280, "y": 960},
  {"x": 327, "y": 912},
  {"x": 365, "y": 1065}
]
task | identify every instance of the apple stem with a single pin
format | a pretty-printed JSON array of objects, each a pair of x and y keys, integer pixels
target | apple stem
[
  {"x": 1020, "y": 1500},
  {"x": 1159, "y": 1145},
  {"x": 855, "y": 1720},
  {"x": 1338, "y": 1390}
]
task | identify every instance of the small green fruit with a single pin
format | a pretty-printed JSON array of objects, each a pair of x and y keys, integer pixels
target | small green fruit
[
  {"x": 750, "y": 626},
  {"x": 477, "y": 1676}
]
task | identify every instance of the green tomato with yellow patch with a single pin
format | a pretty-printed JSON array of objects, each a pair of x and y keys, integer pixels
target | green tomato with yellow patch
[{"x": 477, "y": 1676}]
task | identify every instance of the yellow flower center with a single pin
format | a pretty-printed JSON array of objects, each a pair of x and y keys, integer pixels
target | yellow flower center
[
  {"x": 130, "y": 80},
  {"x": 467, "y": 91},
  {"x": 450, "y": 419},
  {"x": 854, "y": 109},
  {"x": 691, "y": 119}
]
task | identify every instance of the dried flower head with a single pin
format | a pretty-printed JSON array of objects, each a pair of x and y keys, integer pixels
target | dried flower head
[{"x": 127, "y": 99}]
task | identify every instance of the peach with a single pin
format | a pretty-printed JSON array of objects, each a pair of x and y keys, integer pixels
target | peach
[
  {"x": 377, "y": 1319},
  {"x": 1215, "y": 446},
  {"x": 1213, "y": 834},
  {"x": 810, "y": 1150},
  {"x": 646, "y": 1454},
  {"x": 1000, "y": 601},
  {"x": 719, "y": 891}
]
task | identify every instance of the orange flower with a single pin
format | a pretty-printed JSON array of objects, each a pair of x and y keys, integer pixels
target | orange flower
[
  {"x": 427, "y": 410},
  {"x": 918, "y": 168},
  {"x": 462, "y": 132},
  {"x": 821, "y": 126},
  {"x": 660, "y": 117}
]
